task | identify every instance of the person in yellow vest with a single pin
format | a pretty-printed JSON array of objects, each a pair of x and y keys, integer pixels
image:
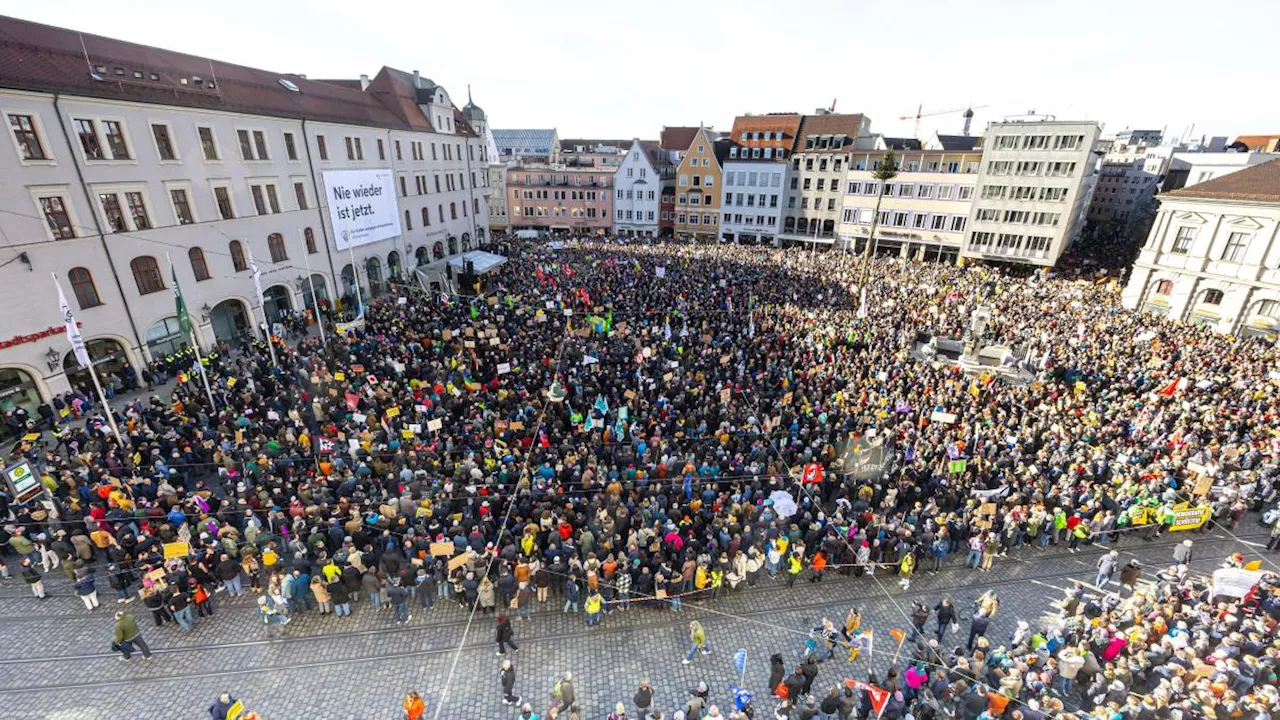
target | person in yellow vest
[
  {"x": 697, "y": 642},
  {"x": 905, "y": 568},
  {"x": 794, "y": 568},
  {"x": 594, "y": 606}
]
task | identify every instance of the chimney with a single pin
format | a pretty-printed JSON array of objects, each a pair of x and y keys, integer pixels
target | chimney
[
  {"x": 364, "y": 82},
  {"x": 417, "y": 80}
]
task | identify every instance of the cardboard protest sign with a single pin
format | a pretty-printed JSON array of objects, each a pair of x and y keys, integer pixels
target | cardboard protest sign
[
  {"x": 441, "y": 549},
  {"x": 176, "y": 550},
  {"x": 435, "y": 424},
  {"x": 459, "y": 561}
]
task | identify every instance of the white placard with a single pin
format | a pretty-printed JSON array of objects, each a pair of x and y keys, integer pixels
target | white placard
[
  {"x": 1235, "y": 582},
  {"x": 942, "y": 417},
  {"x": 402, "y": 301},
  {"x": 415, "y": 428},
  {"x": 435, "y": 424},
  {"x": 504, "y": 368},
  {"x": 362, "y": 206},
  {"x": 273, "y": 415},
  {"x": 660, "y": 271},
  {"x": 359, "y": 417}
]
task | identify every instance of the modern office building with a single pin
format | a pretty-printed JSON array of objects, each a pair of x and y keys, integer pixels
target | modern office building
[
  {"x": 123, "y": 156},
  {"x": 925, "y": 209},
  {"x": 1033, "y": 190},
  {"x": 1213, "y": 255}
]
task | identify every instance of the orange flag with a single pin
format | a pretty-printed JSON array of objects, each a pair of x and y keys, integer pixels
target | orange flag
[{"x": 898, "y": 634}]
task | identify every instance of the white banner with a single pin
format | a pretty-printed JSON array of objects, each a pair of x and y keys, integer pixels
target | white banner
[
  {"x": 73, "y": 332},
  {"x": 1235, "y": 582},
  {"x": 362, "y": 206}
]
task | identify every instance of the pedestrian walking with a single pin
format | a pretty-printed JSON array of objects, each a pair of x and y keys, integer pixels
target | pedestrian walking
[
  {"x": 978, "y": 628},
  {"x": 399, "y": 597},
  {"x": 507, "y": 676},
  {"x": 945, "y": 614},
  {"x": 697, "y": 641},
  {"x": 1182, "y": 553},
  {"x": 125, "y": 636},
  {"x": 505, "y": 635},
  {"x": 221, "y": 708},
  {"x": 86, "y": 589},
  {"x": 32, "y": 576},
  {"x": 562, "y": 696},
  {"x": 1107, "y": 566}
]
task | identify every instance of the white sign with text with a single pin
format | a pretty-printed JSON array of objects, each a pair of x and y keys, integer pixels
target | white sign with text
[{"x": 362, "y": 206}]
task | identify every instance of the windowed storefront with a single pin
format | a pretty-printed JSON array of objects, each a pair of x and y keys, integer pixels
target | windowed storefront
[
  {"x": 18, "y": 389},
  {"x": 108, "y": 357}
]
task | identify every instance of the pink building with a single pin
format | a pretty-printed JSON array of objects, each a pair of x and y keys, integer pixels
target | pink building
[{"x": 560, "y": 197}]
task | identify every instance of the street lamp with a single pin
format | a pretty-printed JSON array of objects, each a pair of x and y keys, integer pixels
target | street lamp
[{"x": 53, "y": 359}]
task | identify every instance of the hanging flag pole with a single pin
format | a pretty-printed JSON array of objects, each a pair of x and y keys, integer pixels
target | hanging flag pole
[
  {"x": 82, "y": 355},
  {"x": 315, "y": 302},
  {"x": 257, "y": 285},
  {"x": 184, "y": 323}
]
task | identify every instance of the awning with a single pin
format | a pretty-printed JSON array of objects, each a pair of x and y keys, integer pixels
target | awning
[{"x": 483, "y": 261}]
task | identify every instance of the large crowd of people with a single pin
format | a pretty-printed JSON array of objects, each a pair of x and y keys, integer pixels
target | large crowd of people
[{"x": 619, "y": 424}]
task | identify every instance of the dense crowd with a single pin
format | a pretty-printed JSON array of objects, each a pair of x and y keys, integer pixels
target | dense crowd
[{"x": 617, "y": 424}]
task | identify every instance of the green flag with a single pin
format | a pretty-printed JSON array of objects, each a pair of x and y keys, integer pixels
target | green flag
[
  {"x": 184, "y": 320},
  {"x": 474, "y": 312}
]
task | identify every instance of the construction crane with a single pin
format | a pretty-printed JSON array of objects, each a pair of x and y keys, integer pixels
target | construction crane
[{"x": 968, "y": 116}]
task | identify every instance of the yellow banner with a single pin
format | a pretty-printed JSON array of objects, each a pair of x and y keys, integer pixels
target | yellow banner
[{"x": 1189, "y": 518}]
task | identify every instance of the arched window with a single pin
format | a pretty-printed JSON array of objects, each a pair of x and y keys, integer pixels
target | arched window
[
  {"x": 237, "y": 256},
  {"x": 1164, "y": 287},
  {"x": 275, "y": 245},
  {"x": 1212, "y": 297},
  {"x": 426, "y": 217},
  {"x": 310, "y": 238},
  {"x": 86, "y": 292},
  {"x": 408, "y": 220},
  {"x": 453, "y": 245},
  {"x": 198, "y": 266},
  {"x": 437, "y": 250},
  {"x": 146, "y": 273},
  {"x": 453, "y": 211}
]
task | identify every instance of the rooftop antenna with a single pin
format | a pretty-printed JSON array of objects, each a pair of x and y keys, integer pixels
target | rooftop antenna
[{"x": 469, "y": 94}]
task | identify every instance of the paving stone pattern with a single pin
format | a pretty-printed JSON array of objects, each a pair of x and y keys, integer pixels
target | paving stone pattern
[{"x": 59, "y": 665}]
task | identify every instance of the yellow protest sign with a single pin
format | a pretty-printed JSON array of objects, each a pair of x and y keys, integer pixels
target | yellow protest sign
[
  {"x": 231, "y": 382},
  {"x": 406, "y": 434},
  {"x": 176, "y": 550},
  {"x": 233, "y": 712},
  {"x": 393, "y": 411},
  {"x": 339, "y": 376}
]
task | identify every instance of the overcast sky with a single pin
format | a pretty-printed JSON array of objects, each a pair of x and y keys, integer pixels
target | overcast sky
[{"x": 625, "y": 69}]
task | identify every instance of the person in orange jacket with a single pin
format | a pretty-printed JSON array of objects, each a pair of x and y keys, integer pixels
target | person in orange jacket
[{"x": 414, "y": 708}]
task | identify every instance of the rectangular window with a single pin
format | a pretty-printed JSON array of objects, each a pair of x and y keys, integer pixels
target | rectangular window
[
  {"x": 181, "y": 206},
  {"x": 351, "y": 152},
  {"x": 966, "y": 192},
  {"x": 260, "y": 144},
  {"x": 300, "y": 192},
  {"x": 322, "y": 147},
  {"x": 113, "y": 212},
  {"x": 359, "y": 149},
  {"x": 259, "y": 200},
  {"x": 24, "y": 131},
  {"x": 1237, "y": 245},
  {"x": 290, "y": 149},
  {"x": 223, "y": 197},
  {"x": 137, "y": 211},
  {"x": 1182, "y": 242},
  {"x": 944, "y": 192},
  {"x": 246, "y": 144},
  {"x": 958, "y": 223},
  {"x": 87, "y": 130},
  {"x": 382, "y": 151},
  {"x": 164, "y": 145},
  {"x": 115, "y": 139},
  {"x": 55, "y": 214},
  {"x": 273, "y": 200},
  {"x": 939, "y": 222},
  {"x": 207, "y": 143}
]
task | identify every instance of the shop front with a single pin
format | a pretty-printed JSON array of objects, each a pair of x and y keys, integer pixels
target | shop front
[
  {"x": 18, "y": 389},
  {"x": 108, "y": 357}
]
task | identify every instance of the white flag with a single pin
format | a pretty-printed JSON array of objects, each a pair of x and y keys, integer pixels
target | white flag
[
  {"x": 73, "y": 332},
  {"x": 862, "y": 305},
  {"x": 256, "y": 274},
  {"x": 589, "y": 360}
]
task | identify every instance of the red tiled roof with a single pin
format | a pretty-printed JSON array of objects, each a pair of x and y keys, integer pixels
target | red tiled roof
[
  {"x": 1259, "y": 183},
  {"x": 677, "y": 138},
  {"x": 51, "y": 59},
  {"x": 847, "y": 125}
]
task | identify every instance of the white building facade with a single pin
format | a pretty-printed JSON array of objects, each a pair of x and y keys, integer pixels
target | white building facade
[
  {"x": 637, "y": 194},
  {"x": 924, "y": 212},
  {"x": 1213, "y": 257},
  {"x": 104, "y": 182},
  {"x": 1033, "y": 191},
  {"x": 751, "y": 200}
]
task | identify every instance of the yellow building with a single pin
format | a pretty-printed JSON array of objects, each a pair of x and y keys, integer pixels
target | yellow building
[{"x": 697, "y": 206}]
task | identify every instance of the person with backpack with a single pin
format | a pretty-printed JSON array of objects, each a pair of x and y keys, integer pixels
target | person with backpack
[
  {"x": 505, "y": 635},
  {"x": 562, "y": 694}
]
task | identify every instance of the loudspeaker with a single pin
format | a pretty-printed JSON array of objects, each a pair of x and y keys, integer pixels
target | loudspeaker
[{"x": 469, "y": 267}]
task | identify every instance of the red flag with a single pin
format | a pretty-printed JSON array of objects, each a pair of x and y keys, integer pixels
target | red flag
[
  {"x": 812, "y": 473},
  {"x": 879, "y": 696},
  {"x": 1168, "y": 390}
]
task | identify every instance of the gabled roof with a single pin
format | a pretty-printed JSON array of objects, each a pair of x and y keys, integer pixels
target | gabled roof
[
  {"x": 849, "y": 125},
  {"x": 902, "y": 143},
  {"x": 959, "y": 142},
  {"x": 677, "y": 137},
  {"x": 44, "y": 58},
  {"x": 1259, "y": 183}
]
